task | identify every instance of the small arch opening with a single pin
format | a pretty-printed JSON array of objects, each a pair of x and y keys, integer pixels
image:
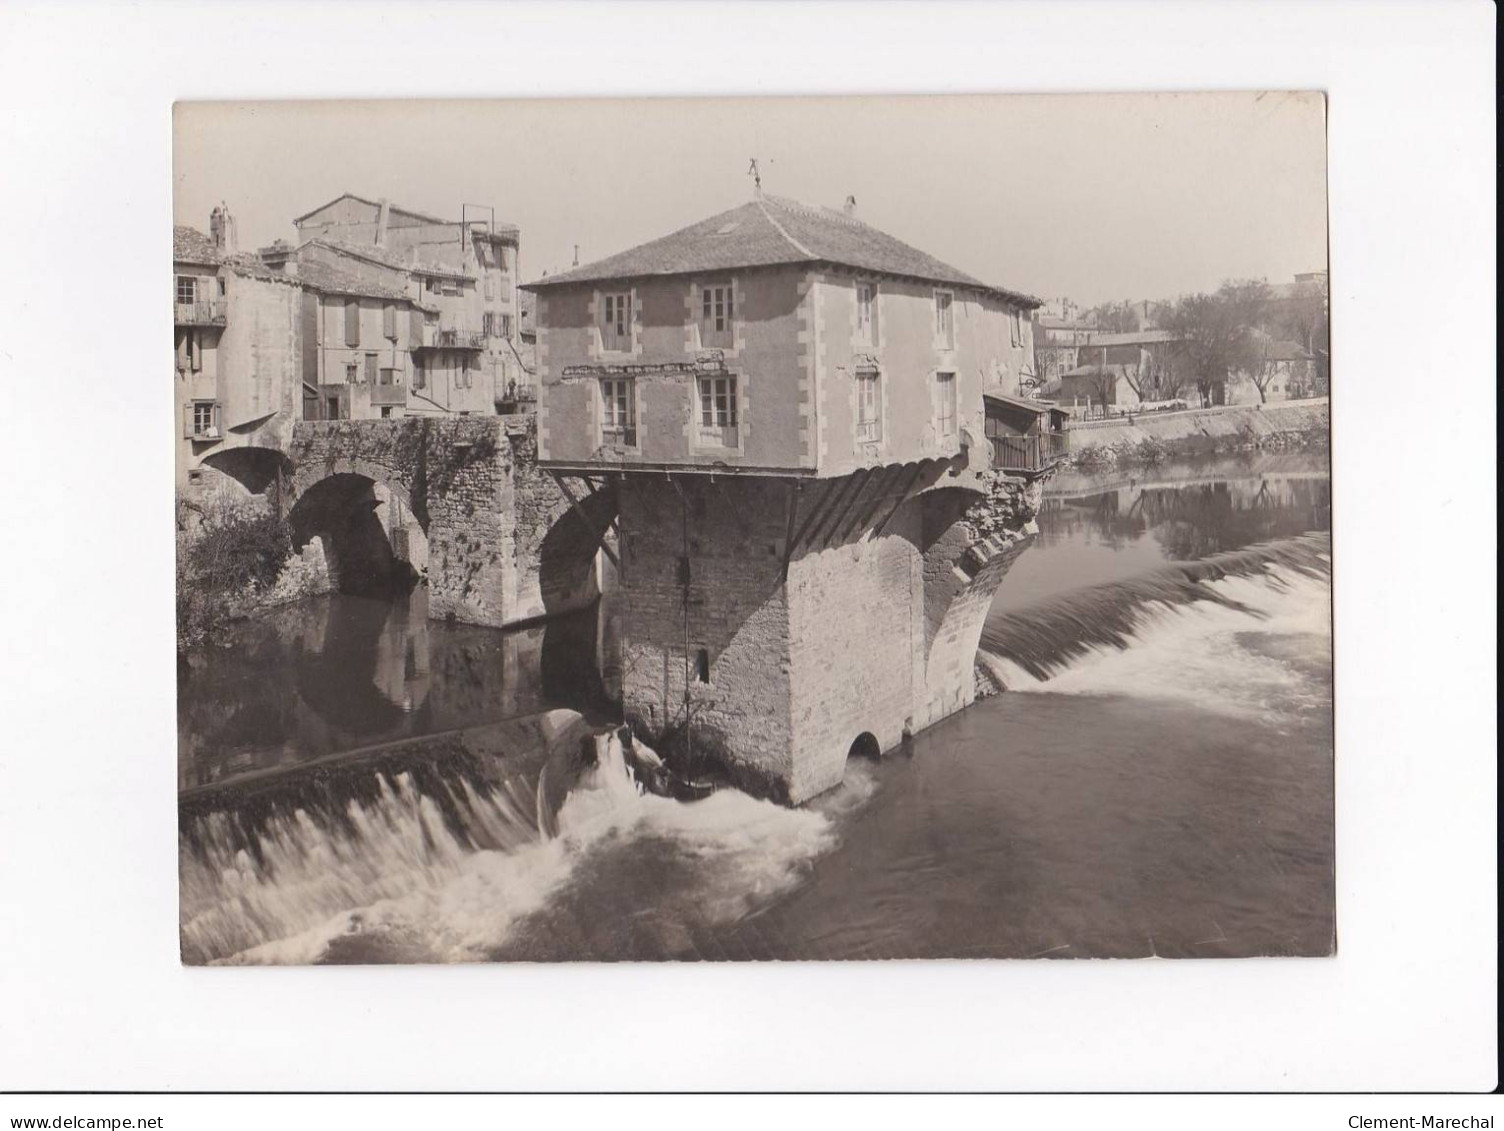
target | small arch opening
[{"x": 865, "y": 746}]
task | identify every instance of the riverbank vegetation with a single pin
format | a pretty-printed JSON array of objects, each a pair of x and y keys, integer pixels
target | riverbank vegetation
[{"x": 227, "y": 555}]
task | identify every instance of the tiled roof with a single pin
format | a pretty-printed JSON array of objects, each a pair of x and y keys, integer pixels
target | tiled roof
[
  {"x": 773, "y": 231},
  {"x": 1095, "y": 370},
  {"x": 1039, "y": 408},
  {"x": 500, "y": 228},
  {"x": 332, "y": 280},
  {"x": 189, "y": 245},
  {"x": 1136, "y": 338},
  {"x": 385, "y": 257},
  {"x": 1280, "y": 350}
]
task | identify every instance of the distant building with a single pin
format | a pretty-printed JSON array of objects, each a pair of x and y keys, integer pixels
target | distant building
[
  {"x": 1289, "y": 372},
  {"x": 459, "y": 274}
]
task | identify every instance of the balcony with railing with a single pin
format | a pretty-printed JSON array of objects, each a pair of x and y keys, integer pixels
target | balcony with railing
[
  {"x": 444, "y": 336},
  {"x": 1029, "y": 454},
  {"x": 202, "y": 312}
]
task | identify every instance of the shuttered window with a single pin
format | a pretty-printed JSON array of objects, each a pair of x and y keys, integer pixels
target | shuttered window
[
  {"x": 866, "y": 313},
  {"x": 616, "y": 322},
  {"x": 370, "y": 368},
  {"x": 869, "y": 406},
  {"x": 945, "y": 404},
  {"x": 352, "y": 322},
  {"x": 389, "y": 321},
  {"x": 716, "y": 316}
]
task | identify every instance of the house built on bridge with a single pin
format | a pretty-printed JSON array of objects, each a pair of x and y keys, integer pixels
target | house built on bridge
[{"x": 782, "y": 409}]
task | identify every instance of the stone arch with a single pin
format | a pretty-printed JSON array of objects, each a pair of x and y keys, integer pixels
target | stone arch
[
  {"x": 865, "y": 745},
  {"x": 256, "y": 471},
  {"x": 366, "y": 551},
  {"x": 963, "y": 566},
  {"x": 309, "y": 476},
  {"x": 566, "y": 553}
]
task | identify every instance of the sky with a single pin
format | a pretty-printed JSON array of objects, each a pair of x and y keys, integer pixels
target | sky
[{"x": 1094, "y": 197}]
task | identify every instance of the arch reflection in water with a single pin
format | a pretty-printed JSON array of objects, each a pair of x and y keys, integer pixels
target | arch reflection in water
[{"x": 345, "y": 671}]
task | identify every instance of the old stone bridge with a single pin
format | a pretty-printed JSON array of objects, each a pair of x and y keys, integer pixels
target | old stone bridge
[{"x": 459, "y": 500}]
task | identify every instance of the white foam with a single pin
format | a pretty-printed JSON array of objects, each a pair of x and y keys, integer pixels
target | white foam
[
  {"x": 1198, "y": 653},
  {"x": 403, "y": 875}
]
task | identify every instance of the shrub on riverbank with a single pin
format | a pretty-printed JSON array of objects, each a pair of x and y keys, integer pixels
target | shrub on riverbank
[
  {"x": 228, "y": 557},
  {"x": 1152, "y": 450}
]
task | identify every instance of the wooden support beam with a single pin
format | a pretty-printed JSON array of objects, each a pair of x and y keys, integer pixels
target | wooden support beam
[
  {"x": 828, "y": 490},
  {"x": 574, "y": 505},
  {"x": 858, "y": 482},
  {"x": 874, "y": 499},
  {"x": 795, "y": 490},
  {"x": 903, "y": 497}
]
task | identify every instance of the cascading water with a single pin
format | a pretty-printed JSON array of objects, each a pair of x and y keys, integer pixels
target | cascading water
[
  {"x": 1172, "y": 632},
  {"x": 1158, "y": 781},
  {"x": 442, "y": 867}
]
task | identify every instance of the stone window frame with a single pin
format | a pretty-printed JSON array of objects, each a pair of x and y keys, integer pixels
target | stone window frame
[
  {"x": 859, "y": 378},
  {"x": 871, "y": 341},
  {"x": 936, "y": 384},
  {"x": 703, "y": 439},
  {"x": 634, "y": 322},
  {"x": 696, "y": 336},
  {"x": 945, "y": 342},
  {"x": 634, "y": 408}
]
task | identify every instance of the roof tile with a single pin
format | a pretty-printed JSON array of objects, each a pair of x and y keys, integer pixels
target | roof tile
[{"x": 773, "y": 231}]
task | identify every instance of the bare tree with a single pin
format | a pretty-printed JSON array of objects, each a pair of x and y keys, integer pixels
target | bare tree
[
  {"x": 1216, "y": 331},
  {"x": 1261, "y": 367}
]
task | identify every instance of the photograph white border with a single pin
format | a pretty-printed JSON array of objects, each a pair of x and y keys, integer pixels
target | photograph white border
[{"x": 94, "y": 997}]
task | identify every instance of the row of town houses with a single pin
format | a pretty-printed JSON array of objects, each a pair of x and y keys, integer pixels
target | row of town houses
[
  {"x": 375, "y": 311},
  {"x": 736, "y": 324}
]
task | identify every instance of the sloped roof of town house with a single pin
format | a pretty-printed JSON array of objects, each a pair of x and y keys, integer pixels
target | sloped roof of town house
[
  {"x": 1284, "y": 350},
  {"x": 1095, "y": 370},
  {"x": 1037, "y": 407},
  {"x": 773, "y": 231},
  {"x": 385, "y": 257},
  {"x": 498, "y": 227},
  {"x": 189, "y": 245},
  {"x": 1134, "y": 338},
  {"x": 328, "y": 279}
]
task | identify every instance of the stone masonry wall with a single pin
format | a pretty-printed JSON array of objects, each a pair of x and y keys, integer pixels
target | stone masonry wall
[
  {"x": 869, "y": 634},
  {"x": 738, "y": 615}
]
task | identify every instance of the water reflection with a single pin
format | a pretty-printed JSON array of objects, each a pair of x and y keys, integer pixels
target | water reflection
[
  {"x": 343, "y": 671},
  {"x": 1093, "y": 531}
]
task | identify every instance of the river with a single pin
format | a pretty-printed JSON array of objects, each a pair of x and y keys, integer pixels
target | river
[{"x": 1156, "y": 779}]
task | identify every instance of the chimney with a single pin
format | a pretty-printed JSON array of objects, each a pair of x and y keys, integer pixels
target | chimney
[
  {"x": 850, "y": 208},
  {"x": 222, "y": 230},
  {"x": 382, "y": 216}
]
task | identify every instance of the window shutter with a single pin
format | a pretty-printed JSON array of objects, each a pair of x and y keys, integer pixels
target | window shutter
[
  {"x": 182, "y": 350},
  {"x": 371, "y": 368},
  {"x": 195, "y": 353},
  {"x": 352, "y": 322},
  {"x": 417, "y": 327},
  {"x": 188, "y": 420},
  {"x": 389, "y": 321}
]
